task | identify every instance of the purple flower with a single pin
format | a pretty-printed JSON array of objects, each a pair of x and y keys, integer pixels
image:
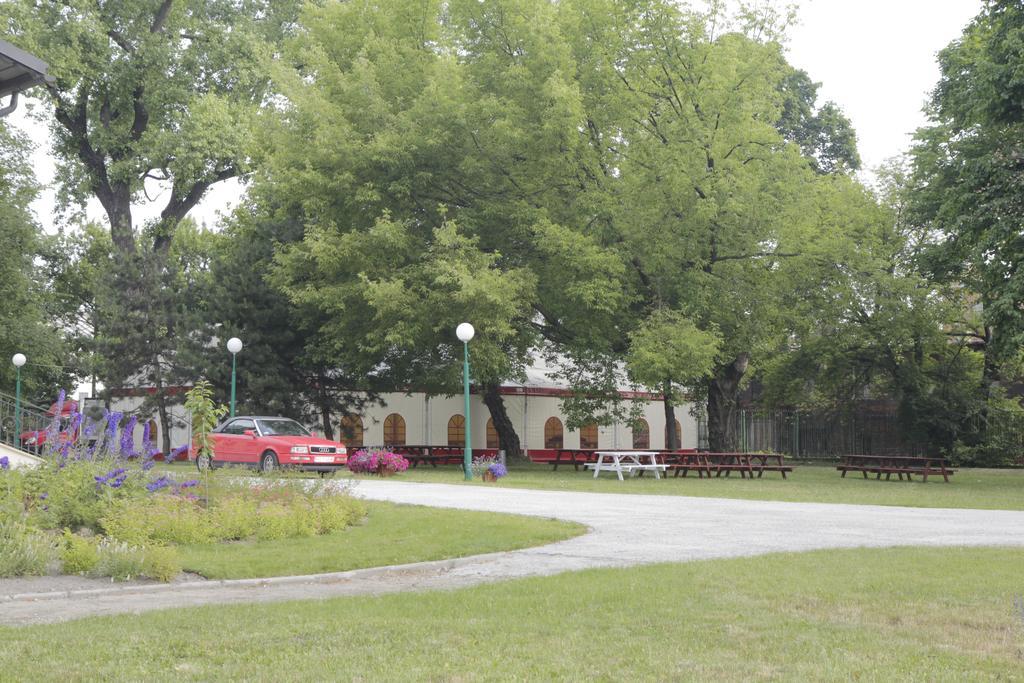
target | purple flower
[
  {"x": 128, "y": 438},
  {"x": 113, "y": 418},
  {"x": 498, "y": 470},
  {"x": 157, "y": 484},
  {"x": 5, "y": 463},
  {"x": 44, "y": 495}
]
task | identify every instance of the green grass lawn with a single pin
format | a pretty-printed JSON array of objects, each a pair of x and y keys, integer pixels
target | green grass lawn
[
  {"x": 892, "y": 614},
  {"x": 968, "y": 488},
  {"x": 391, "y": 534}
]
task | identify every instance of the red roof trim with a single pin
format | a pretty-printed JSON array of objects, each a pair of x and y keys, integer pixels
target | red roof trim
[
  {"x": 565, "y": 393},
  {"x": 136, "y": 392}
]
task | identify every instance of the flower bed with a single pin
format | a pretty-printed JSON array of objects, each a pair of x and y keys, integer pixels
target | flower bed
[
  {"x": 379, "y": 461},
  {"x": 95, "y": 507}
]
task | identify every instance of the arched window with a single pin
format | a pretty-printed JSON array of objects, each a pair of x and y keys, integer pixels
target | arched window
[
  {"x": 553, "y": 433},
  {"x": 351, "y": 429},
  {"x": 588, "y": 435},
  {"x": 394, "y": 430},
  {"x": 492, "y": 435},
  {"x": 679, "y": 435},
  {"x": 641, "y": 435},
  {"x": 457, "y": 431}
]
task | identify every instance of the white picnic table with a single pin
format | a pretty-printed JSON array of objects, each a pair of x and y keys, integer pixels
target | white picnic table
[{"x": 626, "y": 461}]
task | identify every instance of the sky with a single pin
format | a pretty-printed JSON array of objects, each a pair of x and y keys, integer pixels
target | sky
[{"x": 874, "y": 58}]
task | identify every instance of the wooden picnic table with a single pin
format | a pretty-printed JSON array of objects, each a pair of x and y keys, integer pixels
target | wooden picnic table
[
  {"x": 899, "y": 465},
  {"x": 435, "y": 455},
  {"x": 747, "y": 464},
  {"x": 574, "y": 456},
  {"x": 630, "y": 462}
]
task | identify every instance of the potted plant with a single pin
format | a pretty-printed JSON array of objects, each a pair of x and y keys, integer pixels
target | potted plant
[{"x": 489, "y": 468}]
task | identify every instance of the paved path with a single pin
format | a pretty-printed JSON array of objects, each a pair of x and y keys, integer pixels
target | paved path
[{"x": 625, "y": 530}]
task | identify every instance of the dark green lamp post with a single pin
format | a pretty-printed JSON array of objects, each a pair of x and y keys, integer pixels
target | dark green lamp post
[
  {"x": 234, "y": 346},
  {"x": 465, "y": 332}
]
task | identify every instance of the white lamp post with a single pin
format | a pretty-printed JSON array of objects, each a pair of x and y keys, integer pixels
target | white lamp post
[
  {"x": 465, "y": 332},
  {"x": 18, "y": 359},
  {"x": 234, "y": 346}
]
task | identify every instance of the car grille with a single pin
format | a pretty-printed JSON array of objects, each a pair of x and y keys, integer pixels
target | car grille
[{"x": 323, "y": 449}]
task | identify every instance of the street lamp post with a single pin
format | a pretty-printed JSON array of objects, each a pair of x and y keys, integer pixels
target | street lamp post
[
  {"x": 234, "y": 346},
  {"x": 18, "y": 359},
  {"x": 465, "y": 332}
]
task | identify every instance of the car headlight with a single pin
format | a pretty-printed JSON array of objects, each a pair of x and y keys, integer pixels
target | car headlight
[
  {"x": 300, "y": 449},
  {"x": 30, "y": 440}
]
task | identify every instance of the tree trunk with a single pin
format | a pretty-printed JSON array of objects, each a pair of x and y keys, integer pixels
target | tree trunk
[
  {"x": 325, "y": 419},
  {"x": 508, "y": 440},
  {"x": 671, "y": 442},
  {"x": 161, "y": 408},
  {"x": 723, "y": 399}
]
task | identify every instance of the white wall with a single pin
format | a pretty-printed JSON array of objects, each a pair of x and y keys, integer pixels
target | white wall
[{"x": 426, "y": 421}]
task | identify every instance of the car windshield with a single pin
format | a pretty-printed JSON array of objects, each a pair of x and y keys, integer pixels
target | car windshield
[{"x": 282, "y": 428}]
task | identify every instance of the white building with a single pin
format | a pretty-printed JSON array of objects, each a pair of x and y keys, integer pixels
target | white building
[{"x": 534, "y": 407}]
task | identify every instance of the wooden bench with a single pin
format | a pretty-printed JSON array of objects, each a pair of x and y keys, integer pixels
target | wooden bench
[
  {"x": 748, "y": 464},
  {"x": 685, "y": 462},
  {"x": 900, "y": 465},
  {"x": 573, "y": 456}
]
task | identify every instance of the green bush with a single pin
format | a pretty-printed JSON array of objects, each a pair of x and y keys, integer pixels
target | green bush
[
  {"x": 274, "y": 521},
  {"x": 119, "y": 560},
  {"x": 78, "y": 555},
  {"x": 335, "y": 512},
  {"x": 235, "y": 518},
  {"x": 161, "y": 563},
  {"x": 158, "y": 519},
  {"x": 76, "y": 495},
  {"x": 24, "y": 551}
]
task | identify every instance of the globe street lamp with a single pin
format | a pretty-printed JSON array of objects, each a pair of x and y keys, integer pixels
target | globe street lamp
[
  {"x": 465, "y": 332},
  {"x": 18, "y": 359},
  {"x": 234, "y": 346}
]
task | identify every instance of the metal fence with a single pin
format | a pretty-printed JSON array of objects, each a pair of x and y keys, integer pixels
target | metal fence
[
  {"x": 874, "y": 432},
  {"x": 809, "y": 435},
  {"x": 33, "y": 418}
]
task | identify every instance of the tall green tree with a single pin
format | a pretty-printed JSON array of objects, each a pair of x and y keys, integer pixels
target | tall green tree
[
  {"x": 154, "y": 97},
  {"x": 25, "y": 299},
  {"x": 872, "y": 325},
  {"x": 967, "y": 179}
]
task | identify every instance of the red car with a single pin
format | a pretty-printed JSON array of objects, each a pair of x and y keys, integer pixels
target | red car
[
  {"x": 34, "y": 441},
  {"x": 269, "y": 443}
]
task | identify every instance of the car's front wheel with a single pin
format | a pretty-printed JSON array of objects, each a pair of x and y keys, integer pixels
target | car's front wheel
[
  {"x": 203, "y": 462},
  {"x": 268, "y": 462}
]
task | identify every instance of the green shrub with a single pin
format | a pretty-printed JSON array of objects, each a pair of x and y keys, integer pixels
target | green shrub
[
  {"x": 273, "y": 521},
  {"x": 335, "y": 512},
  {"x": 158, "y": 519},
  {"x": 24, "y": 551},
  {"x": 78, "y": 555},
  {"x": 119, "y": 560},
  {"x": 234, "y": 518},
  {"x": 76, "y": 495},
  {"x": 161, "y": 563},
  {"x": 284, "y": 520}
]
